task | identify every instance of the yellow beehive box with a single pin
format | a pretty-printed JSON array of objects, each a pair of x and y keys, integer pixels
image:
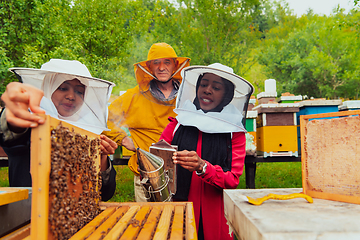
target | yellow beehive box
[
  {"x": 277, "y": 141},
  {"x": 331, "y": 155}
]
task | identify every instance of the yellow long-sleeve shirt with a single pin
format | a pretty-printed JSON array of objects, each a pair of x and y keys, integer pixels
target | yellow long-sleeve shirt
[{"x": 144, "y": 116}]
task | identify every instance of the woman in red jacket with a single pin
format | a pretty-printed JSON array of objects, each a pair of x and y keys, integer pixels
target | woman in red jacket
[{"x": 210, "y": 135}]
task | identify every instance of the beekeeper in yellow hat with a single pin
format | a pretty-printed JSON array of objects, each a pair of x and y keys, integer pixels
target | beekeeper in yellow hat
[{"x": 145, "y": 109}]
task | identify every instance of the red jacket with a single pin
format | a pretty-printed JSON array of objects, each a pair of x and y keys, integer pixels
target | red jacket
[{"x": 206, "y": 191}]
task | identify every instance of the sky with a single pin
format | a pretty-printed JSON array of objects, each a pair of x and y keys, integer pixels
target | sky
[{"x": 319, "y": 6}]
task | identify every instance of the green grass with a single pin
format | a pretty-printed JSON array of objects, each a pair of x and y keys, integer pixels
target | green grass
[
  {"x": 4, "y": 179},
  {"x": 268, "y": 175},
  {"x": 124, "y": 185},
  {"x": 275, "y": 175}
]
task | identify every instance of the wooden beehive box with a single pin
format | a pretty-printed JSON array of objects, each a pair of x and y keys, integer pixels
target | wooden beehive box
[
  {"x": 142, "y": 221},
  {"x": 65, "y": 179},
  {"x": 331, "y": 155},
  {"x": 250, "y": 126},
  {"x": 276, "y": 133}
]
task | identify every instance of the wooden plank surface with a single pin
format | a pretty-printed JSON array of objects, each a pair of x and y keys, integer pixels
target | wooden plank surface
[
  {"x": 120, "y": 226},
  {"x": 135, "y": 224},
  {"x": 177, "y": 228},
  {"x": 290, "y": 219},
  {"x": 18, "y": 234},
  {"x": 10, "y": 195},
  {"x": 94, "y": 224},
  {"x": 190, "y": 223},
  {"x": 163, "y": 227},
  {"x": 104, "y": 228},
  {"x": 148, "y": 229}
]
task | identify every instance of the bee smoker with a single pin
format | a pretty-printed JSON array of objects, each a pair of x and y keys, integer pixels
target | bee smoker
[{"x": 155, "y": 180}]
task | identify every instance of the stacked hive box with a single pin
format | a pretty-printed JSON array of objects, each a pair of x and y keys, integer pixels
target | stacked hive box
[
  {"x": 251, "y": 132},
  {"x": 290, "y": 98},
  {"x": 276, "y": 129},
  {"x": 350, "y": 105},
  {"x": 15, "y": 206},
  {"x": 316, "y": 106}
]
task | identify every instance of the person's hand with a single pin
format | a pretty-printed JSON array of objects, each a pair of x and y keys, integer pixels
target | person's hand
[
  {"x": 128, "y": 143},
  {"x": 18, "y": 98},
  {"x": 188, "y": 160},
  {"x": 107, "y": 147}
]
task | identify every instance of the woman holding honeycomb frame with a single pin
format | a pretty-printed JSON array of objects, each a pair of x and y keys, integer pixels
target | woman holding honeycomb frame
[{"x": 64, "y": 90}]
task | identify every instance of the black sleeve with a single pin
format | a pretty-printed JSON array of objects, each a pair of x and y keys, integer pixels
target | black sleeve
[{"x": 108, "y": 189}]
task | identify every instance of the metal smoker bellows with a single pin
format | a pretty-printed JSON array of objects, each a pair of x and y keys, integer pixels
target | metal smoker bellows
[{"x": 154, "y": 179}]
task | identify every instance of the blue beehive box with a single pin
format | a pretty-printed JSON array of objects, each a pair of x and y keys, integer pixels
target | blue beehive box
[{"x": 308, "y": 107}]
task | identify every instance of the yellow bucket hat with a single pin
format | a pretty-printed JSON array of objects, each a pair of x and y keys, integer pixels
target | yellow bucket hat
[{"x": 158, "y": 50}]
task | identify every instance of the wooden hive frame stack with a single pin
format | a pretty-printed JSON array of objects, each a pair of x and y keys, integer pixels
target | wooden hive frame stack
[
  {"x": 330, "y": 155},
  {"x": 142, "y": 221},
  {"x": 158, "y": 220}
]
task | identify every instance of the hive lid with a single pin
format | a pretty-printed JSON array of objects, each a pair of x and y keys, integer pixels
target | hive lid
[{"x": 320, "y": 102}]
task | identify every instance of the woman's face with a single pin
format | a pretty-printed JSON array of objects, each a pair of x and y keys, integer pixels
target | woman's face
[
  {"x": 211, "y": 91},
  {"x": 69, "y": 97}
]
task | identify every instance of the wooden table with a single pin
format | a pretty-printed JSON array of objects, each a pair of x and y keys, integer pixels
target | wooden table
[{"x": 290, "y": 219}]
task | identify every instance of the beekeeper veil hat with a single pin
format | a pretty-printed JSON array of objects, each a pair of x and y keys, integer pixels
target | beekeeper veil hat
[
  {"x": 92, "y": 115},
  {"x": 230, "y": 118}
]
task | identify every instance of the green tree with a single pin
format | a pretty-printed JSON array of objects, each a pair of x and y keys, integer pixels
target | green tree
[
  {"x": 317, "y": 60},
  {"x": 208, "y": 31},
  {"x": 27, "y": 33}
]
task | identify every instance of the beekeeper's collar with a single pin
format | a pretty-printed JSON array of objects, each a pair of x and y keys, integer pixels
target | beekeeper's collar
[{"x": 230, "y": 119}]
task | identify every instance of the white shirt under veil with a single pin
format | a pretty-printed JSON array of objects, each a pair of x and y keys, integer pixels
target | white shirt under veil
[{"x": 84, "y": 117}]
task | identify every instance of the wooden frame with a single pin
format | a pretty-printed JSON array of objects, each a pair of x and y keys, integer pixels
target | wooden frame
[
  {"x": 142, "y": 220},
  {"x": 304, "y": 119},
  {"x": 40, "y": 167}
]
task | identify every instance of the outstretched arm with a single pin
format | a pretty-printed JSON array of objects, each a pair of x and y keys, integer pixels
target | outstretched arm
[{"x": 18, "y": 98}]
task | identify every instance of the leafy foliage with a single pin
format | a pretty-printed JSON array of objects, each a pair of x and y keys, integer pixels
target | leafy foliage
[
  {"x": 316, "y": 59},
  {"x": 308, "y": 55}
]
